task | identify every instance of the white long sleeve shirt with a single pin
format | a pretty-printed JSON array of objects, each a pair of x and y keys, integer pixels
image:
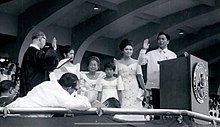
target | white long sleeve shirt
[
  {"x": 151, "y": 59},
  {"x": 51, "y": 94}
]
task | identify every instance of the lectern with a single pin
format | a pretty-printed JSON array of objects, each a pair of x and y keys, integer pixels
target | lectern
[{"x": 184, "y": 84}]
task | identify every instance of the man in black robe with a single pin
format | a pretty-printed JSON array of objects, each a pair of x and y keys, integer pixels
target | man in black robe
[{"x": 37, "y": 63}]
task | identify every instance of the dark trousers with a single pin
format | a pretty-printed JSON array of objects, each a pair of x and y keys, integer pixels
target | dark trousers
[{"x": 155, "y": 98}]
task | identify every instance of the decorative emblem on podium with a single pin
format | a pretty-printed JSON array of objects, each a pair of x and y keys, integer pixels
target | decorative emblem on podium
[{"x": 200, "y": 82}]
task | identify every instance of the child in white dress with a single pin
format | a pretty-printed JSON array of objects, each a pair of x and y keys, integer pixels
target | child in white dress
[{"x": 110, "y": 86}]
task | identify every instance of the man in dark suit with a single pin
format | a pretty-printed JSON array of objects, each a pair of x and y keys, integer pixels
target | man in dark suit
[{"x": 37, "y": 63}]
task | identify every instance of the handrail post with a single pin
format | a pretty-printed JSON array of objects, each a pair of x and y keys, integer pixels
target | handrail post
[
  {"x": 214, "y": 123},
  {"x": 180, "y": 118},
  {"x": 5, "y": 112}
]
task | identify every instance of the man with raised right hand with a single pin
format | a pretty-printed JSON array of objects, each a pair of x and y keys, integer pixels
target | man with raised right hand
[{"x": 152, "y": 59}]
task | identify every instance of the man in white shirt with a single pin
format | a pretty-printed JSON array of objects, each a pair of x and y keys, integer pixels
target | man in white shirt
[
  {"x": 54, "y": 94},
  {"x": 152, "y": 59}
]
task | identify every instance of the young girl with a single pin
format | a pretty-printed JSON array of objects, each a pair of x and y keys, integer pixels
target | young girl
[{"x": 110, "y": 86}]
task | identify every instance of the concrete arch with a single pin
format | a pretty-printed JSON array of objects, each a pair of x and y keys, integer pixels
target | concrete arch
[{"x": 40, "y": 26}]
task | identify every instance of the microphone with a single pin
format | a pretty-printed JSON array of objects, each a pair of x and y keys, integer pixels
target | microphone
[
  {"x": 184, "y": 54},
  {"x": 64, "y": 63}
]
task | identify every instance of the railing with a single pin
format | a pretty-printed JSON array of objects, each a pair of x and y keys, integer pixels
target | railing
[{"x": 110, "y": 111}]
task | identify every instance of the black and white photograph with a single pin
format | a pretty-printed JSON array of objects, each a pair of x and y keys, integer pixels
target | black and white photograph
[{"x": 131, "y": 63}]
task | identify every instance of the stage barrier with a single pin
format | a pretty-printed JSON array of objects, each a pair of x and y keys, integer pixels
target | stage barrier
[{"x": 41, "y": 117}]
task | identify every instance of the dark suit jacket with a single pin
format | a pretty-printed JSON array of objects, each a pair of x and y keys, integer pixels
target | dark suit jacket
[{"x": 35, "y": 68}]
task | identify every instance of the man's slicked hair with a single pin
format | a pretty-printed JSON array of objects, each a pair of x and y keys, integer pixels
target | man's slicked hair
[
  {"x": 162, "y": 33},
  {"x": 68, "y": 80}
]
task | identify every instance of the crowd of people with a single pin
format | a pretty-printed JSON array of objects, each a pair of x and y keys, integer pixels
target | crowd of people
[
  {"x": 214, "y": 105},
  {"x": 8, "y": 70},
  {"x": 9, "y": 80},
  {"x": 46, "y": 80}
]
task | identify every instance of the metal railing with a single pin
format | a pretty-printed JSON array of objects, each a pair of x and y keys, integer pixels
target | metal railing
[{"x": 109, "y": 111}]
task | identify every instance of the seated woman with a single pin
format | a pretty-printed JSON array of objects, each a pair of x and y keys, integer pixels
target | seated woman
[
  {"x": 66, "y": 64},
  {"x": 8, "y": 91},
  {"x": 89, "y": 80}
]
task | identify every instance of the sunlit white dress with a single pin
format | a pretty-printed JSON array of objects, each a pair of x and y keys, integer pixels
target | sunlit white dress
[
  {"x": 110, "y": 88},
  {"x": 90, "y": 85},
  {"x": 131, "y": 88}
]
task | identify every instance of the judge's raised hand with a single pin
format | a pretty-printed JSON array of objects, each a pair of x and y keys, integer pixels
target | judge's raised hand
[
  {"x": 54, "y": 43},
  {"x": 146, "y": 44}
]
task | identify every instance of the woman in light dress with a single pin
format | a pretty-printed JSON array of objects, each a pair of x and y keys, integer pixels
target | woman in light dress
[
  {"x": 90, "y": 79},
  {"x": 110, "y": 86},
  {"x": 66, "y": 64},
  {"x": 131, "y": 73}
]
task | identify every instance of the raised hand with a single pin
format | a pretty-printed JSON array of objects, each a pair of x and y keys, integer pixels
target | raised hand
[
  {"x": 146, "y": 44},
  {"x": 54, "y": 43}
]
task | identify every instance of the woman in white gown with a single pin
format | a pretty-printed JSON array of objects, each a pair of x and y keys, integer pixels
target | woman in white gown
[
  {"x": 131, "y": 72},
  {"x": 90, "y": 79},
  {"x": 66, "y": 65}
]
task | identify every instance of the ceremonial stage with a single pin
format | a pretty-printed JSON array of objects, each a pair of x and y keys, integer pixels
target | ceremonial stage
[
  {"x": 101, "y": 117},
  {"x": 184, "y": 103}
]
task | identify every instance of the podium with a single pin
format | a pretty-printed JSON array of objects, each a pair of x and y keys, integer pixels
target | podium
[{"x": 184, "y": 84}]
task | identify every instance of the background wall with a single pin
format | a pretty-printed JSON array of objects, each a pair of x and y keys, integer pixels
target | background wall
[
  {"x": 8, "y": 24},
  {"x": 103, "y": 45},
  {"x": 62, "y": 34},
  {"x": 8, "y": 33}
]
